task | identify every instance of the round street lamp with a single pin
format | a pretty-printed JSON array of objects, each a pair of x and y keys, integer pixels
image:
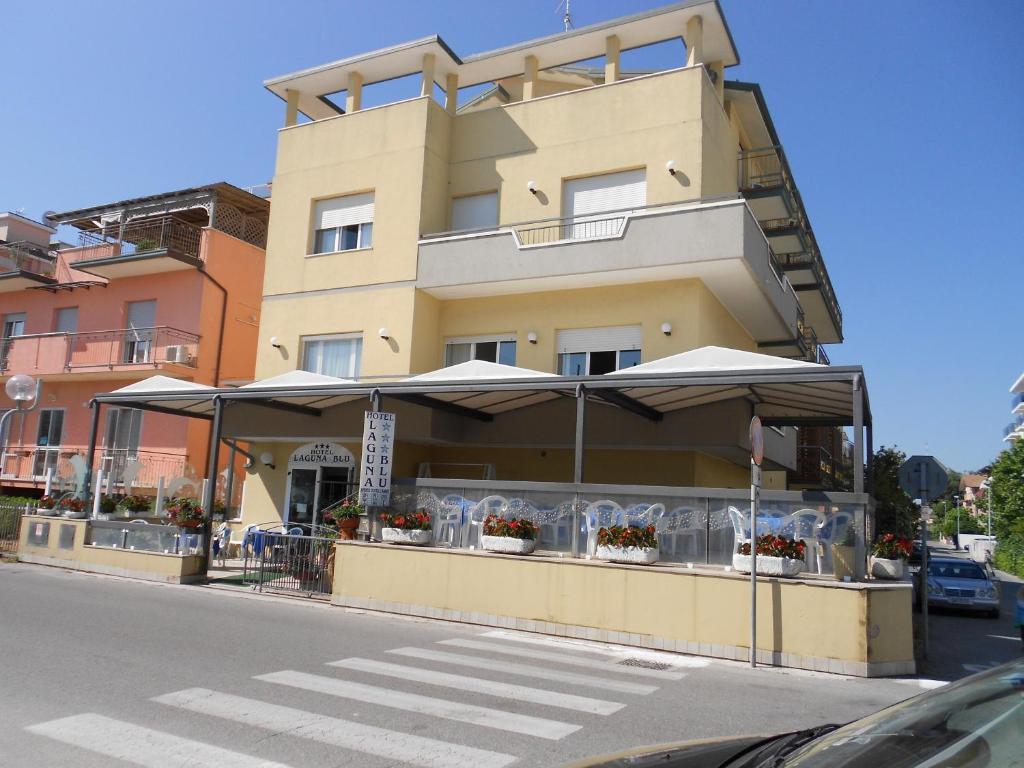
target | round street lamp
[{"x": 21, "y": 388}]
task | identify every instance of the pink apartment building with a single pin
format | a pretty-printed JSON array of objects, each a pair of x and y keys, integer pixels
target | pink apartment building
[{"x": 165, "y": 285}]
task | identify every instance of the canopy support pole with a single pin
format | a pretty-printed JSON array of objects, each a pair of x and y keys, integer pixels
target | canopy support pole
[
  {"x": 94, "y": 427},
  {"x": 210, "y": 490},
  {"x": 577, "y": 471},
  {"x": 860, "y": 516}
]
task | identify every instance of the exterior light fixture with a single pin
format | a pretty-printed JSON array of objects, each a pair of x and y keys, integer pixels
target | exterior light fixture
[
  {"x": 274, "y": 342},
  {"x": 670, "y": 166},
  {"x": 666, "y": 328},
  {"x": 383, "y": 333},
  {"x": 268, "y": 459},
  {"x": 531, "y": 337},
  {"x": 532, "y": 186},
  {"x": 21, "y": 388}
]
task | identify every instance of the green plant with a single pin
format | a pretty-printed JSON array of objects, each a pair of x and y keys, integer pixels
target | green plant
[
  {"x": 416, "y": 521},
  {"x": 771, "y": 545},
  {"x": 137, "y": 503},
  {"x": 516, "y": 528},
  {"x": 1009, "y": 555},
  {"x": 47, "y": 502},
  {"x": 108, "y": 504},
  {"x": 345, "y": 511},
  {"x": 183, "y": 509},
  {"x": 892, "y": 547},
  {"x": 71, "y": 504},
  {"x": 623, "y": 536},
  {"x": 146, "y": 244}
]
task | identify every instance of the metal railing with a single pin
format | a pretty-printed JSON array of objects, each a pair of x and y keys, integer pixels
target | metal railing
[
  {"x": 10, "y": 525},
  {"x": 807, "y": 259},
  {"x": 578, "y": 228},
  {"x": 143, "y": 235},
  {"x": 23, "y": 256},
  {"x": 28, "y": 463},
  {"x": 279, "y": 561},
  {"x": 42, "y": 353},
  {"x": 763, "y": 168}
]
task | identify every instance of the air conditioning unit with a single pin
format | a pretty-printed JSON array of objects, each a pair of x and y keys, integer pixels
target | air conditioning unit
[{"x": 177, "y": 353}]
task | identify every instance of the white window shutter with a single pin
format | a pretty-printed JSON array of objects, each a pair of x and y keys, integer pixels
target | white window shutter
[
  {"x": 608, "y": 192},
  {"x": 599, "y": 339},
  {"x": 475, "y": 212},
  {"x": 342, "y": 211}
]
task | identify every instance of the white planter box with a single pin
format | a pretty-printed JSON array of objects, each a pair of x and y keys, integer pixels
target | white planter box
[
  {"x": 883, "y": 568},
  {"x": 72, "y": 515},
  {"x": 508, "y": 545},
  {"x": 46, "y": 512},
  {"x": 417, "y": 538},
  {"x": 634, "y": 555},
  {"x": 768, "y": 566}
]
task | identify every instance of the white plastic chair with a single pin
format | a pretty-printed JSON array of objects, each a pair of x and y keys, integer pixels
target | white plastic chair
[
  {"x": 489, "y": 505},
  {"x": 679, "y": 529},
  {"x": 222, "y": 539},
  {"x": 554, "y": 523},
  {"x": 831, "y": 531},
  {"x": 740, "y": 527},
  {"x": 598, "y": 515},
  {"x": 447, "y": 517}
]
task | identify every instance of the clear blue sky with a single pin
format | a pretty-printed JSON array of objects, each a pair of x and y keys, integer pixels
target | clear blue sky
[{"x": 902, "y": 122}]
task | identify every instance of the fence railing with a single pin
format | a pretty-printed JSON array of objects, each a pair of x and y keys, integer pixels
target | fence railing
[
  {"x": 763, "y": 168},
  {"x": 288, "y": 562},
  {"x": 43, "y": 353},
  {"x": 143, "y": 235},
  {"x": 28, "y": 257},
  {"x": 579, "y": 228},
  {"x": 10, "y": 525},
  {"x": 30, "y": 462}
]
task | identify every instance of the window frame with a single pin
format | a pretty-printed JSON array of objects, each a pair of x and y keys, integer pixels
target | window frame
[
  {"x": 486, "y": 338},
  {"x": 363, "y": 229},
  {"x": 589, "y": 352},
  {"x": 304, "y": 342}
]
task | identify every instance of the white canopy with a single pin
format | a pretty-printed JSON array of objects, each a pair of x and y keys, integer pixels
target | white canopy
[
  {"x": 162, "y": 384},
  {"x": 297, "y": 379},
  {"x": 715, "y": 359},
  {"x": 475, "y": 370}
]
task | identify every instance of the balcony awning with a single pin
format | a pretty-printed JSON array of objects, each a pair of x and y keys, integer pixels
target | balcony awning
[{"x": 166, "y": 395}]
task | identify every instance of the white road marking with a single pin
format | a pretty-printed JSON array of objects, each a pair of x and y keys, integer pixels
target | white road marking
[
  {"x": 525, "y": 670},
  {"x": 143, "y": 746},
  {"x": 922, "y": 682},
  {"x": 1003, "y": 637},
  {"x": 604, "y": 649},
  {"x": 410, "y": 702},
  {"x": 477, "y": 685},
  {"x": 394, "y": 745},
  {"x": 564, "y": 658}
]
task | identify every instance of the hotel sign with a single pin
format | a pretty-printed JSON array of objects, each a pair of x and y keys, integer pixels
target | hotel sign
[
  {"x": 378, "y": 447},
  {"x": 321, "y": 454}
]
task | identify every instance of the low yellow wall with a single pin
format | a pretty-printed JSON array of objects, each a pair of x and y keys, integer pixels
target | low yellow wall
[
  {"x": 151, "y": 566},
  {"x": 856, "y": 629}
]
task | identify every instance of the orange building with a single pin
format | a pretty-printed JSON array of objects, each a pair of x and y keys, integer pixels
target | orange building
[{"x": 166, "y": 285}]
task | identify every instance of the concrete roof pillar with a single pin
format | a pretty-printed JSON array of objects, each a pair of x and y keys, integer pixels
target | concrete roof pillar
[
  {"x": 354, "y": 94},
  {"x": 451, "y": 93},
  {"x": 612, "y": 56},
  {"x": 291, "y": 108},
  {"x": 427, "y": 86},
  {"x": 694, "y": 38},
  {"x": 529, "y": 77}
]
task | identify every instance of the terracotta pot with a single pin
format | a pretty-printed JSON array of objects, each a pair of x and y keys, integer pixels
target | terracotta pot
[
  {"x": 347, "y": 528},
  {"x": 190, "y": 523}
]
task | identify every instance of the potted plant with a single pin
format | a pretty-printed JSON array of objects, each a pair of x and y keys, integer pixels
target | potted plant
[
  {"x": 413, "y": 528},
  {"x": 47, "y": 506},
  {"x": 72, "y": 507},
  {"x": 776, "y": 556},
  {"x": 345, "y": 518},
  {"x": 517, "y": 536},
  {"x": 136, "y": 504},
  {"x": 108, "y": 504},
  {"x": 888, "y": 556},
  {"x": 627, "y": 544},
  {"x": 185, "y": 513}
]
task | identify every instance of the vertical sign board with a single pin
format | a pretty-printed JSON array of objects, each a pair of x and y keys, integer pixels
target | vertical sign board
[{"x": 378, "y": 447}]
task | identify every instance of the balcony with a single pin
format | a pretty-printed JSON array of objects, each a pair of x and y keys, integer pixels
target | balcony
[
  {"x": 1017, "y": 402},
  {"x": 26, "y": 265},
  {"x": 767, "y": 184},
  {"x": 718, "y": 243},
  {"x": 29, "y": 464},
  {"x": 139, "y": 247},
  {"x": 817, "y": 468},
  {"x": 125, "y": 350}
]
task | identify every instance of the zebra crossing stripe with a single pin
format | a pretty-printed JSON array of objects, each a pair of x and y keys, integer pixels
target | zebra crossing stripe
[
  {"x": 525, "y": 670},
  {"x": 410, "y": 702},
  {"x": 564, "y": 658},
  {"x": 478, "y": 685},
  {"x": 143, "y": 746},
  {"x": 369, "y": 739}
]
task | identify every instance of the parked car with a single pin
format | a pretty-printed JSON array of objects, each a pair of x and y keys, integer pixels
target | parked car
[
  {"x": 956, "y": 583},
  {"x": 978, "y": 721}
]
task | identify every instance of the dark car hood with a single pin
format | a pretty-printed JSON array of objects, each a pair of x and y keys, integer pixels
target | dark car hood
[{"x": 702, "y": 753}]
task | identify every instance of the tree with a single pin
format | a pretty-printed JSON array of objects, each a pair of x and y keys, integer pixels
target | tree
[
  {"x": 895, "y": 511},
  {"x": 1008, "y": 492}
]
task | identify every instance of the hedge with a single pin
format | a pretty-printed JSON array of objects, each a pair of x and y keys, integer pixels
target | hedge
[{"x": 1009, "y": 555}]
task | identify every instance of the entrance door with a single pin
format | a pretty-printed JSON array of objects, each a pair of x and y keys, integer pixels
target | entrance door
[
  {"x": 138, "y": 339},
  {"x": 302, "y": 487},
  {"x": 335, "y": 485}
]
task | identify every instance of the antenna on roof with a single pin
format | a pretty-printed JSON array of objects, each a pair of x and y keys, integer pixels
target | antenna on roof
[{"x": 567, "y": 17}]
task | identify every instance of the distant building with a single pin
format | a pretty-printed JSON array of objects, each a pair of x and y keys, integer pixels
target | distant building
[
  {"x": 972, "y": 492},
  {"x": 1015, "y": 428}
]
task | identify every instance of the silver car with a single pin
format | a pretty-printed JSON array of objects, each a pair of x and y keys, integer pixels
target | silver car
[{"x": 954, "y": 583}]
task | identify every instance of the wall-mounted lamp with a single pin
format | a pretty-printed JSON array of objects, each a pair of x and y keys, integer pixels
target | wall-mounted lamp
[
  {"x": 532, "y": 186},
  {"x": 274, "y": 342},
  {"x": 531, "y": 337},
  {"x": 268, "y": 459},
  {"x": 666, "y": 328},
  {"x": 670, "y": 166},
  {"x": 383, "y": 333}
]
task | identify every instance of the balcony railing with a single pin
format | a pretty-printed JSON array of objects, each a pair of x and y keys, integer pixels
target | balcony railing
[
  {"x": 815, "y": 466},
  {"x": 28, "y": 257},
  {"x": 808, "y": 259},
  {"x": 764, "y": 168},
  {"x": 815, "y": 352},
  {"x": 49, "y": 353},
  {"x": 143, "y": 235},
  {"x": 579, "y": 228},
  {"x": 30, "y": 463}
]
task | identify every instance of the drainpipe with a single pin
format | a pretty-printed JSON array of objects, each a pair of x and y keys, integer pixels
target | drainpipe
[{"x": 220, "y": 332}]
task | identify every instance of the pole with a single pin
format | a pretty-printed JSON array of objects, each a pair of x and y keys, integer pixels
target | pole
[
  {"x": 577, "y": 472},
  {"x": 922, "y": 470},
  {"x": 96, "y": 495},
  {"x": 90, "y": 454},
  {"x": 991, "y": 492},
  {"x": 755, "y": 486},
  {"x": 210, "y": 489}
]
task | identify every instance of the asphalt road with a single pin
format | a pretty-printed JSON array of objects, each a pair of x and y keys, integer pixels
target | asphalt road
[{"x": 100, "y": 671}]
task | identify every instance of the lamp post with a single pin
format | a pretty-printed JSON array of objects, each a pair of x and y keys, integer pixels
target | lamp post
[
  {"x": 987, "y": 485},
  {"x": 22, "y": 389},
  {"x": 956, "y": 500}
]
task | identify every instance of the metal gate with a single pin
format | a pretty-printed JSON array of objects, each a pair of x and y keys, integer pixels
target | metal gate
[
  {"x": 289, "y": 562},
  {"x": 10, "y": 522}
]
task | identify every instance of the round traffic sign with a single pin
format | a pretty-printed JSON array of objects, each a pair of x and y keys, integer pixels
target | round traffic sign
[{"x": 756, "y": 441}]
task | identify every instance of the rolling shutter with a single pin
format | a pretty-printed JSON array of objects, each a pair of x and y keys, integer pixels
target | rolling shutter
[
  {"x": 609, "y": 192},
  {"x": 599, "y": 339},
  {"x": 342, "y": 211},
  {"x": 475, "y": 212}
]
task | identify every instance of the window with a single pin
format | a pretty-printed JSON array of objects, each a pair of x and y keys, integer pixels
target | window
[
  {"x": 595, "y": 351},
  {"x": 140, "y": 332},
  {"x": 66, "y": 320},
  {"x": 475, "y": 211},
  {"x": 337, "y": 356},
  {"x": 124, "y": 429},
  {"x": 587, "y": 200},
  {"x": 14, "y": 325},
  {"x": 343, "y": 223},
  {"x": 493, "y": 349},
  {"x": 48, "y": 440}
]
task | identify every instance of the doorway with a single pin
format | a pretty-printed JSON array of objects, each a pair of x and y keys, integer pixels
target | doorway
[{"x": 312, "y": 490}]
